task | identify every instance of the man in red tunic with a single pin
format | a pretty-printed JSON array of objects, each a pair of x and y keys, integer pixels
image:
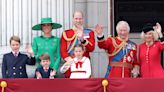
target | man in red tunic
[
  {"x": 121, "y": 52},
  {"x": 76, "y": 35}
]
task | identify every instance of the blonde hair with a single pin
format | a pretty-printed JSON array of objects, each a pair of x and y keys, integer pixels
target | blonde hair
[
  {"x": 121, "y": 23},
  {"x": 155, "y": 35}
]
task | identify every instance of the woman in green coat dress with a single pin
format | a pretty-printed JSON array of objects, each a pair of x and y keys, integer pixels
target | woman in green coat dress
[{"x": 47, "y": 43}]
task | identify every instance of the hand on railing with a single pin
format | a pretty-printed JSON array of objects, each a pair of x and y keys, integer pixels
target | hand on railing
[
  {"x": 38, "y": 75},
  {"x": 52, "y": 74},
  {"x": 135, "y": 72}
]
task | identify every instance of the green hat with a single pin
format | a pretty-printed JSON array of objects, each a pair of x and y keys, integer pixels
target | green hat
[{"x": 46, "y": 21}]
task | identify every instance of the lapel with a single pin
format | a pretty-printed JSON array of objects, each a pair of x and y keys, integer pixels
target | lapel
[{"x": 15, "y": 60}]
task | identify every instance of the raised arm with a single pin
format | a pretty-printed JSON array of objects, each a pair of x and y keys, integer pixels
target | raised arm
[{"x": 102, "y": 43}]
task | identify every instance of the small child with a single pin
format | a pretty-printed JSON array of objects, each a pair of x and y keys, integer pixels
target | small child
[
  {"x": 80, "y": 67},
  {"x": 45, "y": 71},
  {"x": 14, "y": 63}
]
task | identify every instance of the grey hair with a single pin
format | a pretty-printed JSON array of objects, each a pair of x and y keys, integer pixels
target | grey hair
[
  {"x": 122, "y": 23},
  {"x": 155, "y": 35}
]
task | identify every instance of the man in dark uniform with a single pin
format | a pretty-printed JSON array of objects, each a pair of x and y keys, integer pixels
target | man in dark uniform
[{"x": 14, "y": 63}]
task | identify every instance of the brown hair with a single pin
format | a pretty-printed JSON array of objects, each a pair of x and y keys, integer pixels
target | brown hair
[
  {"x": 15, "y": 38},
  {"x": 44, "y": 57},
  {"x": 78, "y": 11},
  {"x": 79, "y": 45}
]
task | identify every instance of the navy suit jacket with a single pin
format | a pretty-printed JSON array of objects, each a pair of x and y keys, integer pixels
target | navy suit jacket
[{"x": 15, "y": 67}]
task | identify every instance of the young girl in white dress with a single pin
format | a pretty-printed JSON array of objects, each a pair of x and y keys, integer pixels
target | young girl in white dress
[{"x": 80, "y": 66}]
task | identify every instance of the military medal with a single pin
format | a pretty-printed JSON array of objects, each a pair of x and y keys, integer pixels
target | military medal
[{"x": 129, "y": 58}]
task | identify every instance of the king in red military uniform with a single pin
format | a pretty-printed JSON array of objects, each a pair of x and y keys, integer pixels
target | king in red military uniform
[
  {"x": 76, "y": 35},
  {"x": 121, "y": 52}
]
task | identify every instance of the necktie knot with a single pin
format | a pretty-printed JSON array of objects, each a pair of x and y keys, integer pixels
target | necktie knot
[{"x": 15, "y": 54}]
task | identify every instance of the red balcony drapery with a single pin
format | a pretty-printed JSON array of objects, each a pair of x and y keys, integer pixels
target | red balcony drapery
[{"x": 84, "y": 85}]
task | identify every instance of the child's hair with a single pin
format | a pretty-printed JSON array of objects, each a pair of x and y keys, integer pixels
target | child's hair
[
  {"x": 79, "y": 45},
  {"x": 15, "y": 38},
  {"x": 44, "y": 57}
]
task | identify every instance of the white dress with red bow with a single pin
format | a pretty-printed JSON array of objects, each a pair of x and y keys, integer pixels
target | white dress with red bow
[{"x": 81, "y": 69}]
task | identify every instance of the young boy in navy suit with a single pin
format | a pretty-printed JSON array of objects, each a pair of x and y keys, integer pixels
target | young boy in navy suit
[
  {"x": 45, "y": 71},
  {"x": 14, "y": 63}
]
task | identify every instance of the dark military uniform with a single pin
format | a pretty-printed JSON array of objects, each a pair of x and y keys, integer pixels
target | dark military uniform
[{"x": 15, "y": 67}]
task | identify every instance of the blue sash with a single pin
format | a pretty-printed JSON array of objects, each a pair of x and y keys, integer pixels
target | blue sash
[
  {"x": 120, "y": 55},
  {"x": 86, "y": 33},
  {"x": 71, "y": 52},
  {"x": 108, "y": 71},
  {"x": 123, "y": 52}
]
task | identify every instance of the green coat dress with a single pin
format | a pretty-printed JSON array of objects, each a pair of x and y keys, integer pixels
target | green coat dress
[{"x": 50, "y": 46}]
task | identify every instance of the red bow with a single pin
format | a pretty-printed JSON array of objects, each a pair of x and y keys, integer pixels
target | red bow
[
  {"x": 46, "y": 69},
  {"x": 79, "y": 63}
]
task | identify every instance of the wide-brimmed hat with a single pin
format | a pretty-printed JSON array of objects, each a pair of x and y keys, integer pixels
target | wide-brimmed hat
[
  {"x": 46, "y": 21},
  {"x": 148, "y": 27}
]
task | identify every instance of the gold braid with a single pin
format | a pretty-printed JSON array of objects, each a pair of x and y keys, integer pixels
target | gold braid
[
  {"x": 117, "y": 47},
  {"x": 73, "y": 44},
  {"x": 68, "y": 39}
]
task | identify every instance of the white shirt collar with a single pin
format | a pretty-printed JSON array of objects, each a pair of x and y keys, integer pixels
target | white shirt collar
[{"x": 15, "y": 52}]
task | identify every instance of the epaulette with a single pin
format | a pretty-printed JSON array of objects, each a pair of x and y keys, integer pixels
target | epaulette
[{"x": 66, "y": 38}]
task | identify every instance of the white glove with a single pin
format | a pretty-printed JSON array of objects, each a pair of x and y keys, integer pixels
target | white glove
[
  {"x": 135, "y": 72},
  {"x": 80, "y": 34}
]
